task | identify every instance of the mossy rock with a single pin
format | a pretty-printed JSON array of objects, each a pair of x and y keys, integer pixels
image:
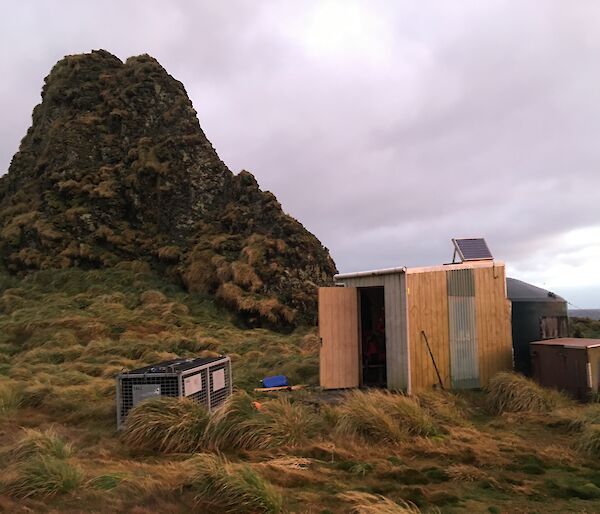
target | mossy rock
[{"x": 115, "y": 168}]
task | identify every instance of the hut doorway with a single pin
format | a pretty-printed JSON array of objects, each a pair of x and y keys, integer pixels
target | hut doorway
[{"x": 372, "y": 337}]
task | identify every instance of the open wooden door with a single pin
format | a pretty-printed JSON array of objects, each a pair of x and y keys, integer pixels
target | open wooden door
[{"x": 338, "y": 328}]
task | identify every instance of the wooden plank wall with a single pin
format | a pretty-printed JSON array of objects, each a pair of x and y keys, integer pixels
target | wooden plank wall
[
  {"x": 494, "y": 334},
  {"x": 427, "y": 296},
  {"x": 428, "y": 311},
  {"x": 395, "y": 324},
  {"x": 338, "y": 328}
]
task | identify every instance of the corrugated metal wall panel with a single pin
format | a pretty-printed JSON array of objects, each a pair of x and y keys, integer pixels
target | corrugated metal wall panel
[
  {"x": 461, "y": 282},
  {"x": 464, "y": 359},
  {"x": 462, "y": 327},
  {"x": 395, "y": 324}
]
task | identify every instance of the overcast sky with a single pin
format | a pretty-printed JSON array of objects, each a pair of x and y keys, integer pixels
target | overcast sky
[{"x": 386, "y": 128}]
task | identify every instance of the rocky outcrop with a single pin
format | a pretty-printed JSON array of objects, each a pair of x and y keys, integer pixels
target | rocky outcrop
[{"x": 115, "y": 168}]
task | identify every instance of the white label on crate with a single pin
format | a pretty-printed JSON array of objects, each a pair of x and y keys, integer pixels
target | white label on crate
[
  {"x": 143, "y": 391},
  {"x": 218, "y": 379},
  {"x": 193, "y": 384}
]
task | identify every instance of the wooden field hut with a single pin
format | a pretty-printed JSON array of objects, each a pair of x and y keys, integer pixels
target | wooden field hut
[{"x": 412, "y": 329}]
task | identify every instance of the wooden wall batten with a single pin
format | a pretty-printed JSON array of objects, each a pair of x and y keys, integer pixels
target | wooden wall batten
[
  {"x": 494, "y": 333},
  {"x": 428, "y": 312}
]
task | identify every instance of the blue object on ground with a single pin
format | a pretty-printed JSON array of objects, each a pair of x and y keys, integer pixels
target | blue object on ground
[{"x": 276, "y": 381}]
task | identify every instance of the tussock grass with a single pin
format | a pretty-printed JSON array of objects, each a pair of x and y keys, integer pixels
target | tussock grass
[
  {"x": 38, "y": 466},
  {"x": 510, "y": 392},
  {"x": 382, "y": 416},
  {"x": 240, "y": 423},
  {"x": 65, "y": 334},
  {"x": 232, "y": 488},
  {"x": 361, "y": 415},
  {"x": 10, "y": 397},
  {"x": 446, "y": 408},
  {"x": 367, "y": 503},
  {"x": 166, "y": 424},
  {"x": 36, "y": 443},
  {"x": 236, "y": 424},
  {"x": 106, "y": 482},
  {"x": 284, "y": 463},
  {"x": 409, "y": 414},
  {"x": 152, "y": 297},
  {"x": 291, "y": 472},
  {"x": 466, "y": 473},
  {"x": 589, "y": 440},
  {"x": 35, "y": 394},
  {"x": 144, "y": 481},
  {"x": 41, "y": 477},
  {"x": 289, "y": 424},
  {"x": 580, "y": 418}
]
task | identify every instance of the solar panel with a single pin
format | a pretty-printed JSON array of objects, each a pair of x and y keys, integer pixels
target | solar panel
[{"x": 474, "y": 249}]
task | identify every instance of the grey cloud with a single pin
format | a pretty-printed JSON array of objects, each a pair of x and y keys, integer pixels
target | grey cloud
[{"x": 455, "y": 118}]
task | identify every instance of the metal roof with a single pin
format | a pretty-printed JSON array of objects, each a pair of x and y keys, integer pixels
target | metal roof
[
  {"x": 443, "y": 267},
  {"x": 175, "y": 365},
  {"x": 570, "y": 342},
  {"x": 519, "y": 291},
  {"x": 386, "y": 271}
]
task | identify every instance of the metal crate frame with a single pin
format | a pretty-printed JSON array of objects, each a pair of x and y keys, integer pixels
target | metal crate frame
[{"x": 209, "y": 398}]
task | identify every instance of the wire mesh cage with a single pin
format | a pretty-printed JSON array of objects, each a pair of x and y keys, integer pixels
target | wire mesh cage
[{"x": 207, "y": 381}]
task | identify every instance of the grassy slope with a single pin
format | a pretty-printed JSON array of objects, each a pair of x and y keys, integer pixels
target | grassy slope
[{"x": 63, "y": 335}]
